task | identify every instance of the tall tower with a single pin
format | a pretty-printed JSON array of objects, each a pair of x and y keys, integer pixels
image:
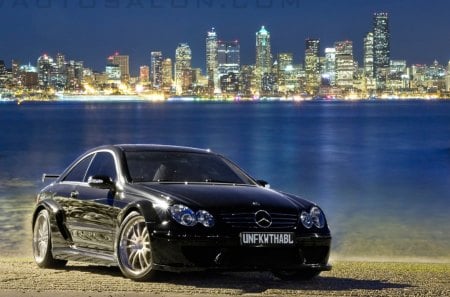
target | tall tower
[
  {"x": 45, "y": 67},
  {"x": 263, "y": 53},
  {"x": 211, "y": 61},
  {"x": 447, "y": 78},
  {"x": 183, "y": 70},
  {"x": 228, "y": 57},
  {"x": 345, "y": 66},
  {"x": 156, "y": 69},
  {"x": 263, "y": 56},
  {"x": 381, "y": 48},
  {"x": 312, "y": 67},
  {"x": 167, "y": 74},
  {"x": 330, "y": 65},
  {"x": 124, "y": 64},
  {"x": 368, "y": 55}
]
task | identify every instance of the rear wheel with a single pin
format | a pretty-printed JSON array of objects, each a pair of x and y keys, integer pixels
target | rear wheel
[
  {"x": 42, "y": 243},
  {"x": 134, "y": 252},
  {"x": 306, "y": 274}
]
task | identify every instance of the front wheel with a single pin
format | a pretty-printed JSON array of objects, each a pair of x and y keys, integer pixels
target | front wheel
[
  {"x": 42, "y": 243},
  {"x": 306, "y": 274},
  {"x": 134, "y": 252}
]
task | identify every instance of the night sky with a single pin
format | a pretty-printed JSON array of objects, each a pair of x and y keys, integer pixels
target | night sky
[{"x": 90, "y": 30}]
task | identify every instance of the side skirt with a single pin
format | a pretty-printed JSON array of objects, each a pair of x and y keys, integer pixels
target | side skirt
[{"x": 83, "y": 255}]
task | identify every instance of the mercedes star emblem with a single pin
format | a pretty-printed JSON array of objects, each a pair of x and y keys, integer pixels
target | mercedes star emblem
[{"x": 263, "y": 219}]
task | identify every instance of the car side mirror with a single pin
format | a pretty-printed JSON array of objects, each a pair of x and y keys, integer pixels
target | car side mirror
[
  {"x": 263, "y": 183},
  {"x": 101, "y": 182}
]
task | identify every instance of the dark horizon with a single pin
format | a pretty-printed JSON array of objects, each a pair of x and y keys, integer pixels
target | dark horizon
[{"x": 91, "y": 30}]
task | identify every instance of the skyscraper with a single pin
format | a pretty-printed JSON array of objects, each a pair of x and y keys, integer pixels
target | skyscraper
[
  {"x": 228, "y": 57},
  {"x": 123, "y": 61},
  {"x": 381, "y": 48},
  {"x": 329, "y": 67},
  {"x": 211, "y": 61},
  {"x": 183, "y": 71},
  {"x": 156, "y": 69},
  {"x": 167, "y": 76},
  {"x": 345, "y": 66},
  {"x": 263, "y": 51},
  {"x": 45, "y": 67},
  {"x": 312, "y": 66},
  {"x": 368, "y": 55},
  {"x": 447, "y": 78}
]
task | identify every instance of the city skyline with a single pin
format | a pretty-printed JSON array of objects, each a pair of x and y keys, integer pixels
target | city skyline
[{"x": 90, "y": 34}]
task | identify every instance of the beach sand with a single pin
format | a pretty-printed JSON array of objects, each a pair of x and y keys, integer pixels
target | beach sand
[{"x": 19, "y": 276}]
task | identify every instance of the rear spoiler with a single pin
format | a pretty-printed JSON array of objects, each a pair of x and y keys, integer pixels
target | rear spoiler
[{"x": 46, "y": 175}]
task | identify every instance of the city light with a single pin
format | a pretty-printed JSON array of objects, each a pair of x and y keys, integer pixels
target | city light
[{"x": 332, "y": 73}]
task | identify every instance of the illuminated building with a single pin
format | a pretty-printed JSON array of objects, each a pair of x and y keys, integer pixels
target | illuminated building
[
  {"x": 113, "y": 73},
  {"x": 211, "y": 61},
  {"x": 345, "y": 66},
  {"x": 167, "y": 77},
  {"x": 45, "y": 68},
  {"x": 229, "y": 83},
  {"x": 368, "y": 55},
  {"x": 60, "y": 76},
  {"x": 183, "y": 71},
  {"x": 284, "y": 64},
  {"x": 156, "y": 69},
  {"x": 381, "y": 48},
  {"x": 123, "y": 61},
  {"x": 398, "y": 77},
  {"x": 447, "y": 78},
  {"x": 247, "y": 82},
  {"x": 263, "y": 55},
  {"x": 15, "y": 71},
  {"x": 3, "y": 74},
  {"x": 312, "y": 66},
  {"x": 28, "y": 76},
  {"x": 329, "y": 66},
  {"x": 229, "y": 59},
  {"x": 144, "y": 74},
  {"x": 74, "y": 74}
]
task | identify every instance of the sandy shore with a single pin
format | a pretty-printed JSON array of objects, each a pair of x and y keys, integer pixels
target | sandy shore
[{"x": 21, "y": 277}]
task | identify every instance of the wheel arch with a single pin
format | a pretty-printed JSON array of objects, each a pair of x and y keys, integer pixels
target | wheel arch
[{"x": 56, "y": 213}]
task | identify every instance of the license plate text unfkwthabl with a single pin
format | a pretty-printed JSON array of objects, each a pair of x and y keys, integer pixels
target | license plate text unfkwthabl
[{"x": 260, "y": 238}]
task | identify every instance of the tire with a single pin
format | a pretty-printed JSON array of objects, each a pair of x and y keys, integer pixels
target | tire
[
  {"x": 42, "y": 243},
  {"x": 301, "y": 275},
  {"x": 134, "y": 252}
]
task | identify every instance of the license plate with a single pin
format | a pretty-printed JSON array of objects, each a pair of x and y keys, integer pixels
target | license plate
[{"x": 266, "y": 238}]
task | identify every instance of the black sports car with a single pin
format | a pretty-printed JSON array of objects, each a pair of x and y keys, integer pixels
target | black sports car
[{"x": 151, "y": 207}]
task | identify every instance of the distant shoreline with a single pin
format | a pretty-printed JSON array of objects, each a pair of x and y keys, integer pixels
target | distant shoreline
[{"x": 187, "y": 99}]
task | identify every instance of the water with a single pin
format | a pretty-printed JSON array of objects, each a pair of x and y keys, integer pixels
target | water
[{"x": 380, "y": 170}]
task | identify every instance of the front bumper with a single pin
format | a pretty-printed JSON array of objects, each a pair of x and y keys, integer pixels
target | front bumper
[{"x": 183, "y": 252}]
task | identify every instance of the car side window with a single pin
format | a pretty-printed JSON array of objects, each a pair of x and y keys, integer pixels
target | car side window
[
  {"x": 78, "y": 172},
  {"x": 103, "y": 164}
]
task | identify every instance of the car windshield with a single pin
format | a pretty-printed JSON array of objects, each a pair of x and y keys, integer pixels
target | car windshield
[{"x": 157, "y": 166}]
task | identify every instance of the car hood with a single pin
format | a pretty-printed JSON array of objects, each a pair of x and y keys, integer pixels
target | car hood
[{"x": 220, "y": 197}]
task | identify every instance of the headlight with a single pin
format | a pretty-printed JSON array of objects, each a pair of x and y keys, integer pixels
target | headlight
[
  {"x": 317, "y": 217},
  {"x": 314, "y": 217},
  {"x": 305, "y": 217},
  {"x": 187, "y": 217},
  {"x": 205, "y": 218},
  {"x": 183, "y": 215}
]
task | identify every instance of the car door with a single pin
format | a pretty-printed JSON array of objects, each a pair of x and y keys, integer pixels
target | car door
[{"x": 92, "y": 217}]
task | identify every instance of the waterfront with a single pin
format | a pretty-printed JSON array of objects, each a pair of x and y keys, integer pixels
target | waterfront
[{"x": 380, "y": 170}]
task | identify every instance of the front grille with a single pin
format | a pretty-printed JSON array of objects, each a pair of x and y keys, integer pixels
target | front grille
[{"x": 246, "y": 220}]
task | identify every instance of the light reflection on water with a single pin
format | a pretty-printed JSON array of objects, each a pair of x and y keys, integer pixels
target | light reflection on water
[{"x": 379, "y": 170}]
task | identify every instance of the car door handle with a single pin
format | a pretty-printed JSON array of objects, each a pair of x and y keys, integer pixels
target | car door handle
[{"x": 74, "y": 194}]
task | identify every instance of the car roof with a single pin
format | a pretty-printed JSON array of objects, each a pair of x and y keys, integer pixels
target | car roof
[{"x": 158, "y": 147}]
